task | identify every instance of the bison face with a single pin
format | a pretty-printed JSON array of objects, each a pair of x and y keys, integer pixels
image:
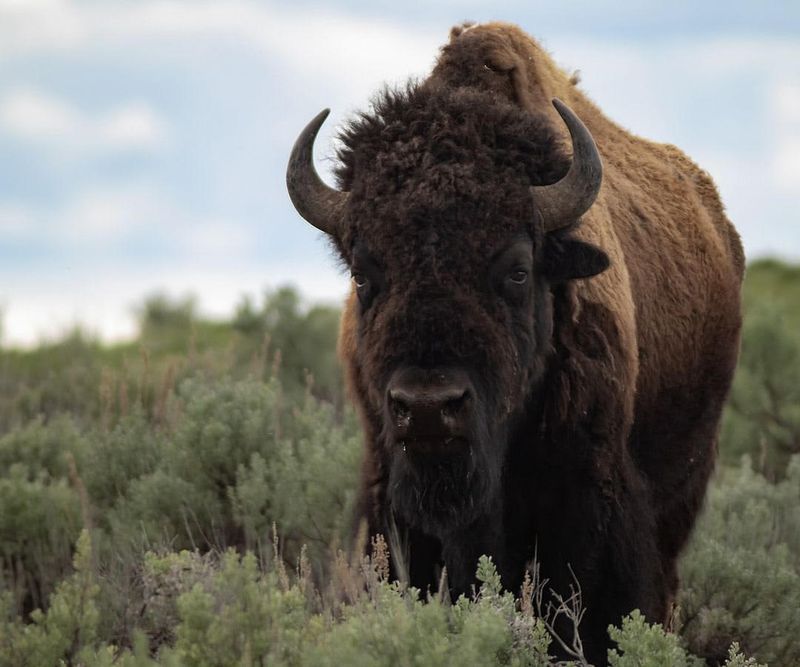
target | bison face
[
  {"x": 449, "y": 344},
  {"x": 453, "y": 245}
]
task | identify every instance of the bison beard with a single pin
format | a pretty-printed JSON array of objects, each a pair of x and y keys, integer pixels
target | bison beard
[
  {"x": 443, "y": 492},
  {"x": 598, "y": 328}
]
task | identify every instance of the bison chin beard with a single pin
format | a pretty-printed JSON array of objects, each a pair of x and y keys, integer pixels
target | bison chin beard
[{"x": 443, "y": 493}]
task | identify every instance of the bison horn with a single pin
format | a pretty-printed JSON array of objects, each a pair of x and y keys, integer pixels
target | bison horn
[
  {"x": 319, "y": 204},
  {"x": 565, "y": 201}
]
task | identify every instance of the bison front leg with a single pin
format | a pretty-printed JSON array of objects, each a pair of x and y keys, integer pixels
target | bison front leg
[
  {"x": 633, "y": 576},
  {"x": 596, "y": 543},
  {"x": 428, "y": 562},
  {"x": 415, "y": 558}
]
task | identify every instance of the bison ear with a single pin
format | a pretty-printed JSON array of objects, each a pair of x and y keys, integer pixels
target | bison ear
[{"x": 566, "y": 259}]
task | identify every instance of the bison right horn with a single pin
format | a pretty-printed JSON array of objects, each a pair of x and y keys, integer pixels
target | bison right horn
[
  {"x": 561, "y": 203},
  {"x": 318, "y": 203}
]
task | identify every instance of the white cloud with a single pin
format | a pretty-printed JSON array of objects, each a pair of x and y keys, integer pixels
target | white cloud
[
  {"x": 352, "y": 51},
  {"x": 358, "y": 54},
  {"x": 215, "y": 237},
  {"x": 31, "y": 115},
  {"x": 99, "y": 218},
  {"x": 103, "y": 215},
  {"x": 114, "y": 216},
  {"x": 786, "y": 163},
  {"x": 785, "y": 124},
  {"x": 133, "y": 127},
  {"x": 100, "y": 298},
  {"x": 205, "y": 256},
  {"x": 91, "y": 218},
  {"x": 644, "y": 86},
  {"x": 16, "y": 221},
  {"x": 786, "y": 102},
  {"x": 36, "y": 25},
  {"x": 329, "y": 58}
]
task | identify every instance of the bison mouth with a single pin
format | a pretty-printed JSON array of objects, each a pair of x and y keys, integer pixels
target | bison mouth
[
  {"x": 422, "y": 450},
  {"x": 442, "y": 487}
]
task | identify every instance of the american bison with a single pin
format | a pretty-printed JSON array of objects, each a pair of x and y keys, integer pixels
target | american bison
[{"x": 542, "y": 328}]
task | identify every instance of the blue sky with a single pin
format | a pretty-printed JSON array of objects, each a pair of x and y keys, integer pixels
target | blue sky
[{"x": 143, "y": 144}]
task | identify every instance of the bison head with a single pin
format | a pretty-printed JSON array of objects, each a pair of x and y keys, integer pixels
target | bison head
[{"x": 453, "y": 214}]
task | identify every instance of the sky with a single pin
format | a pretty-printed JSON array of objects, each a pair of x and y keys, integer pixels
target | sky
[{"x": 143, "y": 145}]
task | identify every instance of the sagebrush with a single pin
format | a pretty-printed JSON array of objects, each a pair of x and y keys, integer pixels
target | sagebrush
[{"x": 185, "y": 500}]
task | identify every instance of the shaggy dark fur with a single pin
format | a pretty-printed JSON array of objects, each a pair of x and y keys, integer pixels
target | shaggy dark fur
[{"x": 591, "y": 432}]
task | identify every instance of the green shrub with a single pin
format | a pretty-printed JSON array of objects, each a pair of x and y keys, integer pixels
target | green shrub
[
  {"x": 764, "y": 415},
  {"x": 209, "y": 611},
  {"x": 56, "y": 378},
  {"x": 40, "y": 514},
  {"x": 741, "y": 572},
  {"x": 67, "y": 629},
  {"x": 210, "y": 486}
]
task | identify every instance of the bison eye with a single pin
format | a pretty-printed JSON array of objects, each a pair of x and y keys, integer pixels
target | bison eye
[
  {"x": 366, "y": 288},
  {"x": 518, "y": 277},
  {"x": 367, "y": 276},
  {"x": 511, "y": 271}
]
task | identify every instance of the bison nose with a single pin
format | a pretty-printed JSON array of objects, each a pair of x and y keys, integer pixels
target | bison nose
[{"x": 428, "y": 405}]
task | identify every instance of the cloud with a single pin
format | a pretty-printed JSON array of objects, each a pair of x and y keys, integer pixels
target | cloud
[
  {"x": 107, "y": 221},
  {"x": 785, "y": 121},
  {"x": 100, "y": 296},
  {"x": 103, "y": 215},
  {"x": 30, "y": 26},
  {"x": 315, "y": 58},
  {"x": 36, "y": 117},
  {"x": 93, "y": 272},
  {"x": 133, "y": 127},
  {"x": 16, "y": 221},
  {"x": 786, "y": 163},
  {"x": 786, "y": 102},
  {"x": 328, "y": 45},
  {"x": 32, "y": 115}
]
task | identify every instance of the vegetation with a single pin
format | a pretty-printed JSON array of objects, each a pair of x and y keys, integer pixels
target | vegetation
[
  {"x": 763, "y": 418},
  {"x": 182, "y": 500}
]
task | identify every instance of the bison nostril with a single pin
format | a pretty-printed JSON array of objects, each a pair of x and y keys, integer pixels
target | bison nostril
[
  {"x": 400, "y": 408},
  {"x": 453, "y": 406}
]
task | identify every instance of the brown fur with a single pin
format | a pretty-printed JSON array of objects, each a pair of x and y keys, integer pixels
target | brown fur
[{"x": 646, "y": 349}]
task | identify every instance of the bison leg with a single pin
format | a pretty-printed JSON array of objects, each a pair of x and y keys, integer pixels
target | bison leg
[
  {"x": 678, "y": 461},
  {"x": 602, "y": 541}
]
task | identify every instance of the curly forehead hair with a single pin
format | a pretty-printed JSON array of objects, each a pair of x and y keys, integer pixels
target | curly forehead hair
[{"x": 471, "y": 134}]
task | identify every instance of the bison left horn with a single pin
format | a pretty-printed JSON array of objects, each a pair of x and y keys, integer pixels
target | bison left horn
[
  {"x": 318, "y": 203},
  {"x": 561, "y": 203}
]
